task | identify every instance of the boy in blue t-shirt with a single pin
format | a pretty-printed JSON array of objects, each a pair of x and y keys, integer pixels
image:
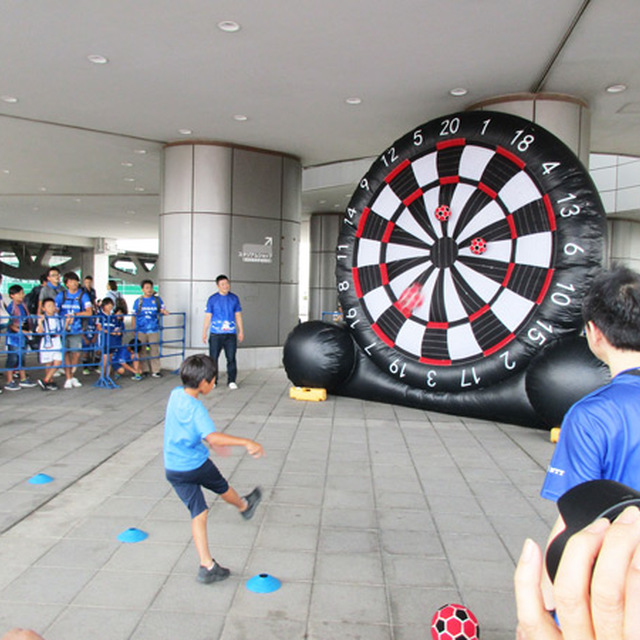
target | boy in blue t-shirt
[
  {"x": 17, "y": 340},
  {"x": 73, "y": 304},
  {"x": 147, "y": 310},
  {"x": 186, "y": 458}
]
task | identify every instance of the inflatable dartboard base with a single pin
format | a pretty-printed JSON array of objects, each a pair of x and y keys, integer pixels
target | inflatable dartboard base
[{"x": 322, "y": 354}]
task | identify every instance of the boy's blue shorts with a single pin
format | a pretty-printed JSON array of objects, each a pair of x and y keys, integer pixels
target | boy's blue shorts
[{"x": 188, "y": 485}]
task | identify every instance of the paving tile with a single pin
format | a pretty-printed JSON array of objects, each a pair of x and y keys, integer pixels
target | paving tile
[
  {"x": 343, "y": 602},
  {"x": 244, "y": 628},
  {"x": 352, "y": 568},
  {"x": 169, "y": 625},
  {"x": 121, "y": 590},
  {"x": 80, "y": 623}
]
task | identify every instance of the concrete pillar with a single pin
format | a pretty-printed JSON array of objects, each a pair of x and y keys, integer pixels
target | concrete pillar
[
  {"x": 323, "y": 235},
  {"x": 235, "y": 211},
  {"x": 567, "y": 117}
]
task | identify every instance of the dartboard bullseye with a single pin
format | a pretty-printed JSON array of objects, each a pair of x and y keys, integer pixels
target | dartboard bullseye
[{"x": 466, "y": 249}]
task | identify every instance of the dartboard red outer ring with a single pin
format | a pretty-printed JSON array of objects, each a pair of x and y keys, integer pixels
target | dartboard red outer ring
[{"x": 475, "y": 319}]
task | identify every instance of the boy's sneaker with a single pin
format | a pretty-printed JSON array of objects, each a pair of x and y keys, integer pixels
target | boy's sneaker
[
  {"x": 68, "y": 384},
  {"x": 28, "y": 383},
  {"x": 42, "y": 384},
  {"x": 253, "y": 500},
  {"x": 51, "y": 386},
  {"x": 12, "y": 386},
  {"x": 136, "y": 377},
  {"x": 86, "y": 371},
  {"x": 157, "y": 374},
  {"x": 75, "y": 383},
  {"x": 233, "y": 386},
  {"x": 215, "y": 574}
]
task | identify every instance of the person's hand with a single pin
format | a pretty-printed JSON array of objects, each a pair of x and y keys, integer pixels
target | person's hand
[
  {"x": 21, "y": 634},
  {"x": 597, "y": 587},
  {"x": 254, "y": 449},
  {"x": 205, "y": 338},
  {"x": 240, "y": 336}
]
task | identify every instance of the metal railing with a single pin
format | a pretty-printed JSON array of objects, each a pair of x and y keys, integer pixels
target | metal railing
[{"x": 171, "y": 343}]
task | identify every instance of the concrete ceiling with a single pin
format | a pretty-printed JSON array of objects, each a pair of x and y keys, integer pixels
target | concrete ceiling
[{"x": 66, "y": 144}]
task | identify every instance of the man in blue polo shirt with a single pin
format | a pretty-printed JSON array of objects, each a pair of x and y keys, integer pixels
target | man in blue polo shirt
[
  {"x": 223, "y": 328},
  {"x": 147, "y": 310},
  {"x": 600, "y": 434}
]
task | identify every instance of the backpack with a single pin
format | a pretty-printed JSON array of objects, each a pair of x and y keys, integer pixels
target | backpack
[{"x": 32, "y": 298}]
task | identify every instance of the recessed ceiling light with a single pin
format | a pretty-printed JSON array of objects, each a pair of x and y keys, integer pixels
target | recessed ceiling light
[
  {"x": 9, "y": 99},
  {"x": 42, "y": 189},
  {"x": 36, "y": 208},
  {"x": 129, "y": 179},
  {"x": 458, "y": 92},
  {"x": 353, "y": 100},
  {"x": 126, "y": 164},
  {"x": 6, "y": 171},
  {"x": 616, "y": 88},
  {"x": 240, "y": 118},
  {"x": 127, "y": 221},
  {"x": 229, "y": 26},
  {"x": 131, "y": 212},
  {"x": 140, "y": 151},
  {"x": 77, "y": 199},
  {"x": 322, "y": 202},
  {"x": 139, "y": 189},
  {"x": 185, "y": 132},
  {"x": 96, "y": 58}
]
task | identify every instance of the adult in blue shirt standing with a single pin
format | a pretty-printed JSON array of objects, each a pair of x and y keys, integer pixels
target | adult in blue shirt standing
[
  {"x": 223, "y": 328},
  {"x": 147, "y": 310}
]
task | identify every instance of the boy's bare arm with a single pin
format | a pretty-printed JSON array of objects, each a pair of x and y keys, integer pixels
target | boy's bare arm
[{"x": 253, "y": 448}]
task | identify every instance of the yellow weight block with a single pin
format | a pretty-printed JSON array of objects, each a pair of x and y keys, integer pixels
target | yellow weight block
[
  {"x": 554, "y": 434},
  {"x": 308, "y": 393}
]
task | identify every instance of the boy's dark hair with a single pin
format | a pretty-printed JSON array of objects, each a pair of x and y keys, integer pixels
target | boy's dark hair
[
  {"x": 15, "y": 288},
  {"x": 43, "y": 278},
  {"x": 44, "y": 302},
  {"x": 146, "y": 282},
  {"x": 112, "y": 285},
  {"x": 70, "y": 275},
  {"x": 197, "y": 368},
  {"x": 121, "y": 305},
  {"x": 613, "y": 305},
  {"x": 221, "y": 277},
  {"x": 50, "y": 269},
  {"x": 106, "y": 302}
]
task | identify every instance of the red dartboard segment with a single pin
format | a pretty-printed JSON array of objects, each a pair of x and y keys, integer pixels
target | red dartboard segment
[{"x": 399, "y": 169}]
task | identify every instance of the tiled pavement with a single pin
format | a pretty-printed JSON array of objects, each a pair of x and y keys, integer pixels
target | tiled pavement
[{"x": 373, "y": 516}]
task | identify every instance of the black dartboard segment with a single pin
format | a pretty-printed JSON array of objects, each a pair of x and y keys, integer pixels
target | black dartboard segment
[{"x": 466, "y": 248}]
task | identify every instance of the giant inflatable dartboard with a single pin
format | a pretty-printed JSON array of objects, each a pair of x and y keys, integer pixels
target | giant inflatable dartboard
[{"x": 466, "y": 249}]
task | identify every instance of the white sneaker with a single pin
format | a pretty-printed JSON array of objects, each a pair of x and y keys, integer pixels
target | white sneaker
[
  {"x": 233, "y": 385},
  {"x": 75, "y": 382},
  {"x": 68, "y": 384}
]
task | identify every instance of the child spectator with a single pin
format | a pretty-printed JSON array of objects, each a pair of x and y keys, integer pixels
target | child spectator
[
  {"x": 17, "y": 340},
  {"x": 186, "y": 458},
  {"x": 110, "y": 326},
  {"x": 50, "y": 326},
  {"x": 147, "y": 310},
  {"x": 89, "y": 333},
  {"x": 72, "y": 303},
  {"x": 126, "y": 359}
]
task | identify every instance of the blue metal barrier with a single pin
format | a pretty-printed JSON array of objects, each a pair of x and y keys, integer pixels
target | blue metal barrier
[{"x": 171, "y": 343}]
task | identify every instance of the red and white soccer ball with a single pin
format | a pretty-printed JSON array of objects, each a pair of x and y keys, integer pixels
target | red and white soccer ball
[
  {"x": 410, "y": 299},
  {"x": 454, "y": 622},
  {"x": 443, "y": 213},
  {"x": 478, "y": 246}
]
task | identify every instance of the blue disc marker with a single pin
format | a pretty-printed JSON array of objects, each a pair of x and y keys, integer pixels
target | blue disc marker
[
  {"x": 133, "y": 535},
  {"x": 40, "y": 478},
  {"x": 263, "y": 583}
]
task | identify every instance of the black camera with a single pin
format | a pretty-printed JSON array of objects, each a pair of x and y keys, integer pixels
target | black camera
[{"x": 583, "y": 504}]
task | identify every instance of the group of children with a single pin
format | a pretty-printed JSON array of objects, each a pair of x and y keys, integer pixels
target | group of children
[{"x": 67, "y": 327}]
